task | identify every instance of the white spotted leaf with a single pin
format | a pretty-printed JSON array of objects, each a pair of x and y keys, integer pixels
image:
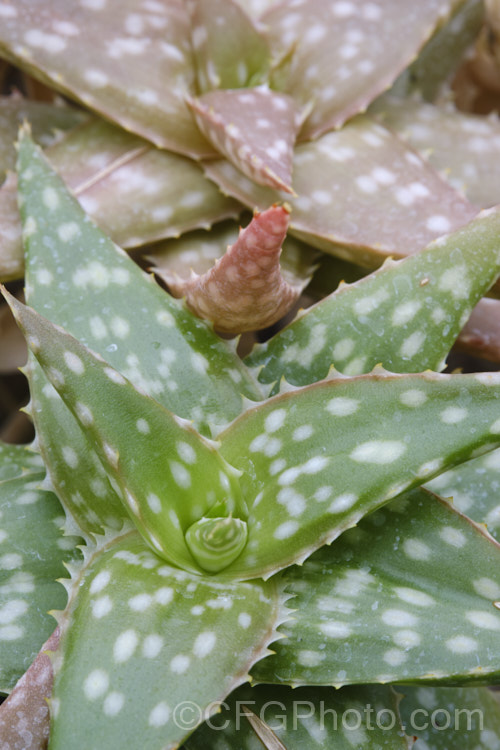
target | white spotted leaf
[
  {"x": 86, "y": 51},
  {"x": 313, "y": 718},
  {"x": 142, "y": 641},
  {"x": 431, "y": 73},
  {"x": 347, "y": 54},
  {"x": 410, "y": 595},
  {"x": 33, "y": 551},
  {"x": 405, "y": 316},
  {"x": 462, "y": 147},
  {"x": 314, "y": 460},
  {"x": 18, "y": 461},
  {"x": 161, "y": 346},
  {"x": 167, "y": 476},
  {"x": 255, "y": 129},
  {"x": 229, "y": 51},
  {"x": 474, "y": 489},
  {"x": 441, "y": 718},
  {"x": 48, "y": 121},
  {"x": 108, "y": 169},
  {"x": 362, "y": 194}
]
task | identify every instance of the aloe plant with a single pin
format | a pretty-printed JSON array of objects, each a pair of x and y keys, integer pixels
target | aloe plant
[{"x": 283, "y": 518}]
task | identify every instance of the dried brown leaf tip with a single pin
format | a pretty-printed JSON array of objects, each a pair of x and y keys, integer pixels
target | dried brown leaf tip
[{"x": 245, "y": 290}]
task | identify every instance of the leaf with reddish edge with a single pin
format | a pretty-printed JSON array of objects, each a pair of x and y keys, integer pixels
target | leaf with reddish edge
[
  {"x": 123, "y": 424},
  {"x": 405, "y": 316},
  {"x": 47, "y": 120},
  {"x": 474, "y": 489},
  {"x": 362, "y": 195},
  {"x": 162, "y": 639},
  {"x": 229, "y": 50},
  {"x": 245, "y": 290},
  {"x": 24, "y": 716},
  {"x": 314, "y": 461},
  {"x": 254, "y": 128},
  {"x": 174, "y": 259},
  {"x": 347, "y": 54},
  {"x": 481, "y": 334},
  {"x": 88, "y": 52},
  {"x": 409, "y": 596},
  {"x": 464, "y": 148}
]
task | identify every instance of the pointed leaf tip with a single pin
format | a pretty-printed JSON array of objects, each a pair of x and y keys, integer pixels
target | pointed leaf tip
[
  {"x": 255, "y": 129},
  {"x": 245, "y": 290}
]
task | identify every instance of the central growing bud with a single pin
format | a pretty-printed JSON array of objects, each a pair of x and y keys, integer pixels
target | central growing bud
[{"x": 216, "y": 542}]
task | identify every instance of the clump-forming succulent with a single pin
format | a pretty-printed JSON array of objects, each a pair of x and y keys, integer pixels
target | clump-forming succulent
[{"x": 278, "y": 518}]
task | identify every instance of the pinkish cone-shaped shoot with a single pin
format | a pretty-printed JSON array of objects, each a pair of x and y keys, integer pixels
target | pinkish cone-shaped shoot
[{"x": 245, "y": 290}]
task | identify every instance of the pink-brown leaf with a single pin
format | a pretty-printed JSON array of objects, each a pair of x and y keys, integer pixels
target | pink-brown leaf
[
  {"x": 245, "y": 290},
  {"x": 255, "y": 129}
]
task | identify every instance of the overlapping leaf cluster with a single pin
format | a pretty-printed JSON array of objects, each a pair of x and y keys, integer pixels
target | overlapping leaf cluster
[{"x": 267, "y": 519}]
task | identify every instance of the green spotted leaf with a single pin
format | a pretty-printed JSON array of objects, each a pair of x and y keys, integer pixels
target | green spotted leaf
[
  {"x": 167, "y": 476},
  {"x": 145, "y": 647},
  {"x": 105, "y": 61},
  {"x": 229, "y": 50},
  {"x": 155, "y": 342},
  {"x": 33, "y": 551},
  {"x": 47, "y": 121},
  {"x": 361, "y": 195},
  {"x": 160, "y": 346},
  {"x": 410, "y": 595},
  {"x": 405, "y": 315},
  {"x": 439, "y": 59},
  {"x": 474, "y": 489},
  {"x": 18, "y": 461},
  {"x": 313, "y": 718},
  {"x": 442, "y": 718},
  {"x": 314, "y": 460},
  {"x": 135, "y": 192}
]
